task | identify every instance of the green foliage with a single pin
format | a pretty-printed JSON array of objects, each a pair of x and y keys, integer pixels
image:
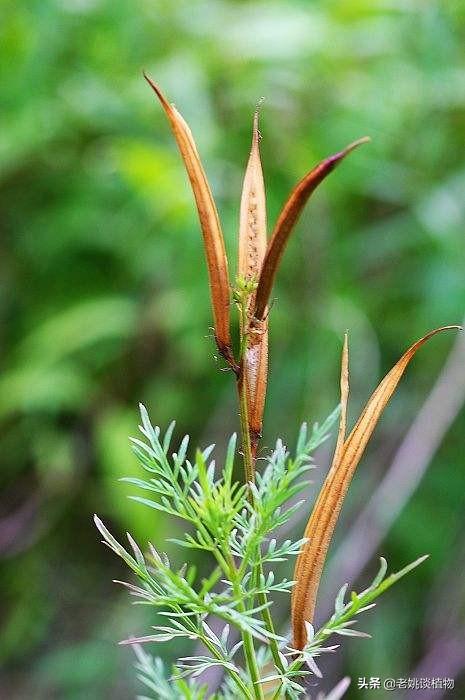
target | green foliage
[
  {"x": 97, "y": 221},
  {"x": 152, "y": 673},
  {"x": 340, "y": 623},
  {"x": 232, "y": 523}
]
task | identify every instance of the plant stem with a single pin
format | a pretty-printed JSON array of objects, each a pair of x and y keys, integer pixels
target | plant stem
[
  {"x": 268, "y": 620},
  {"x": 249, "y": 648},
  {"x": 249, "y": 469},
  {"x": 251, "y": 660},
  {"x": 233, "y": 674},
  {"x": 249, "y": 466}
]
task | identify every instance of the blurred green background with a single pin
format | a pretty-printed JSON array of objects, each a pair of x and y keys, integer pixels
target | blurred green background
[{"x": 104, "y": 298}]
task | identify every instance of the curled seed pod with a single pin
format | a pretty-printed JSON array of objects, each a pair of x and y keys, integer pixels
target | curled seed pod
[
  {"x": 215, "y": 251},
  {"x": 344, "y": 388},
  {"x": 287, "y": 220},
  {"x": 326, "y": 511}
]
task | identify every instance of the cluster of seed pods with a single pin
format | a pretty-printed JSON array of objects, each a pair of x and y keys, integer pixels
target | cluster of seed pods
[{"x": 258, "y": 261}]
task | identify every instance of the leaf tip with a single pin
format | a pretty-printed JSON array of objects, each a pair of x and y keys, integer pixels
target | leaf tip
[
  {"x": 256, "y": 136},
  {"x": 453, "y": 327},
  {"x": 154, "y": 86},
  {"x": 351, "y": 147},
  {"x": 358, "y": 142}
]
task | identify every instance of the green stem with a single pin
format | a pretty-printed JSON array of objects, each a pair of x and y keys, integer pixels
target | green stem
[
  {"x": 233, "y": 674},
  {"x": 249, "y": 467},
  {"x": 268, "y": 620},
  {"x": 252, "y": 665},
  {"x": 214, "y": 651},
  {"x": 249, "y": 648}
]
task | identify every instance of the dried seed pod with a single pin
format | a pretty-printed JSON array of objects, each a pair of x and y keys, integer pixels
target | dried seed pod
[
  {"x": 287, "y": 220},
  {"x": 344, "y": 388},
  {"x": 252, "y": 248},
  {"x": 210, "y": 224},
  {"x": 252, "y": 222},
  {"x": 326, "y": 511}
]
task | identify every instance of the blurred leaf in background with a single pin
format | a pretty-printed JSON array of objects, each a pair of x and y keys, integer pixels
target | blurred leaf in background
[{"x": 104, "y": 298}]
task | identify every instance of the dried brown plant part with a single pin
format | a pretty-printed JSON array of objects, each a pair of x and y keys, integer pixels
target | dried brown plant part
[
  {"x": 287, "y": 220},
  {"x": 252, "y": 249},
  {"x": 344, "y": 388},
  {"x": 408, "y": 466},
  {"x": 256, "y": 375},
  {"x": 252, "y": 221},
  {"x": 326, "y": 511},
  {"x": 341, "y": 435},
  {"x": 215, "y": 251}
]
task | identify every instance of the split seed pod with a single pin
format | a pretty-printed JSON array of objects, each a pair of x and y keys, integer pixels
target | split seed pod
[
  {"x": 252, "y": 248},
  {"x": 287, "y": 220},
  {"x": 258, "y": 261},
  {"x": 210, "y": 224},
  {"x": 326, "y": 511}
]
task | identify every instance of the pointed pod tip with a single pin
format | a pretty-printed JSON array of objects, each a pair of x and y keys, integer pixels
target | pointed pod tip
[
  {"x": 333, "y": 160},
  {"x": 256, "y": 136},
  {"x": 258, "y": 107},
  {"x": 155, "y": 88},
  {"x": 345, "y": 352},
  {"x": 150, "y": 81},
  {"x": 361, "y": 140},
  {"x": 413, "y": 348},
  {"x": 429, "y": 335},
  {"x": 355, "y": 144},
  {"x": 255, "y": 131}
]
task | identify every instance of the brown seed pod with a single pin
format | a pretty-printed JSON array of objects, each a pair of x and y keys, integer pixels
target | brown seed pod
[
  {"x": 326, "y": 511},
  {"x": 209, "y": 221},
  {"x": 287, "y": 220}
]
